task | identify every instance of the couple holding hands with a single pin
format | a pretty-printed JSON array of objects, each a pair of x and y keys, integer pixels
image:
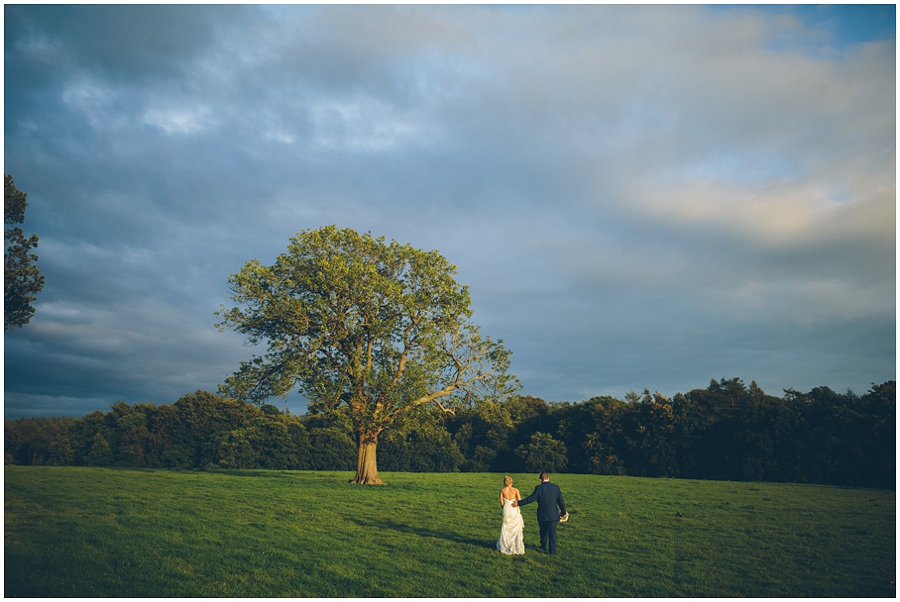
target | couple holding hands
[{"x": 549, "y": 497}]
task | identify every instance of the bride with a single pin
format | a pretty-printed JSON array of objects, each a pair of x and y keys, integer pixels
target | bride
[{"x": 510, "y": 541}]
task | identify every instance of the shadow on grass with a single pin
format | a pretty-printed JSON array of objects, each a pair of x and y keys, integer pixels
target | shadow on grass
[
  {"x": 336, "y": 476},
  {"x": 245, "y": 472},
  {"x": 423, "y": 532}
]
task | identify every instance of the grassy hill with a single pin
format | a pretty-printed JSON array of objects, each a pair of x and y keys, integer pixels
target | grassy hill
[{"x": 112, "y": 532}]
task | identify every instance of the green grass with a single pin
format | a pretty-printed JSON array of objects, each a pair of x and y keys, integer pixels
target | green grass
[{"x": 74, "y": 532}]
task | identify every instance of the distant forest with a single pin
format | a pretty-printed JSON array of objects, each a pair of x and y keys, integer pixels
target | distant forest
[{"x": 728, "y": 431}]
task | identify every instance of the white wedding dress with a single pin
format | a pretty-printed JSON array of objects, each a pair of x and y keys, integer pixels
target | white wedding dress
[{"x": 511, "y": 541}]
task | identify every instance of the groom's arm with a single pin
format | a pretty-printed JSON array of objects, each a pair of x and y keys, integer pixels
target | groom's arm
[
  {"x": 529, "y": 499},
  {"x": 562, "y": 504}
]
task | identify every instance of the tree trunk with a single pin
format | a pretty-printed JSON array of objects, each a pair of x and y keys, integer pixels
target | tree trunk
[{"x": 366, "y": 466}]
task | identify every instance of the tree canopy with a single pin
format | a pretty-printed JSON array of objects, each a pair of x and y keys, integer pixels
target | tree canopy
[
  {"x": 22, "y": 279},
  {"x": 379, "y": 329}
]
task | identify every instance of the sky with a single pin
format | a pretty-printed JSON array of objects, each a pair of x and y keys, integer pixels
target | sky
[{"x": 638, "y": 197}]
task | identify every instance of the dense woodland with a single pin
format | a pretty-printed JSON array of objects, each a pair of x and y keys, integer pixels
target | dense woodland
[{"x": 728, "y": 431}]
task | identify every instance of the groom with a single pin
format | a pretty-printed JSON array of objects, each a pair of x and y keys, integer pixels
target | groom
[{"x": 548, "y": 497}]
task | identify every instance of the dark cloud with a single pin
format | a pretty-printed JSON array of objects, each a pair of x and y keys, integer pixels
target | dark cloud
[
  {"x": 637, "y": 196},
  {"x": 123, "y": 43}
]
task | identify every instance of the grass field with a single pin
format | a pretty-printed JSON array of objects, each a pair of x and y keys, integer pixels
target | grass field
[{"x": 73, "y": 532}]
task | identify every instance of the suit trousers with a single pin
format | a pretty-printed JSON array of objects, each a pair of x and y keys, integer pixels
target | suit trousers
[{"x": 548, "y": 535}]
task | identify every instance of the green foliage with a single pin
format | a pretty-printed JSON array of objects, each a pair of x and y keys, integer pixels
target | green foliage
[
  {"x": 426, "y": 448},
  {"x": 484, "y": 435},
  {"x": 36, "y": 441},
  {"x": 543, "y": 454},
  {"x": 102, "y": 533},
  {"x": 331, "y": 448},
  {"x": 265, "y": 443},
  {"x": 100, "y": 453},
  {"x": 21, "y": 277},
  {"x": 199, "y": 430}
]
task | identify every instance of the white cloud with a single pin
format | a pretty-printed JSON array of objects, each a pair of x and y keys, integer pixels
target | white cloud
[
  {"x": 180, "y": 120},
  {"x": 282, "y": 136},
  {"x": 96, "y": 101},
  {"x": 364, "y": 124}
]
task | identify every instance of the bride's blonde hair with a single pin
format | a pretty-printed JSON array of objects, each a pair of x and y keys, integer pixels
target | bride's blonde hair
[{"x": 507, "y": 480}]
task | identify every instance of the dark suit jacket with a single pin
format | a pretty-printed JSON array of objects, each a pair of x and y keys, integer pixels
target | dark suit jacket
[{"x": 548, "y": 496}]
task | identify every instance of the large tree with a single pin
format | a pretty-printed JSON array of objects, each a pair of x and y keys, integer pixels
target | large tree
[
  {"x": 380, "y": 329},
  {"x": 21, "y": 278}
]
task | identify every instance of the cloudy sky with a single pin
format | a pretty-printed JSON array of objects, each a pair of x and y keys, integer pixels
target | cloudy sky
[{"x": 638, "y": 197}]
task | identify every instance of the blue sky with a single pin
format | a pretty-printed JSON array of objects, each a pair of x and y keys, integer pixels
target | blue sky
[{"x": 637, "y": 196}]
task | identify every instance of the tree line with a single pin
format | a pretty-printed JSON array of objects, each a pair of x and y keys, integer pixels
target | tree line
[{"x": 727, "y": 431}]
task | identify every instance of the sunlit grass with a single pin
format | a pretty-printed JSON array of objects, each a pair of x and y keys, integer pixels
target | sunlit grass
[{"x": 103, "y": 532}]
